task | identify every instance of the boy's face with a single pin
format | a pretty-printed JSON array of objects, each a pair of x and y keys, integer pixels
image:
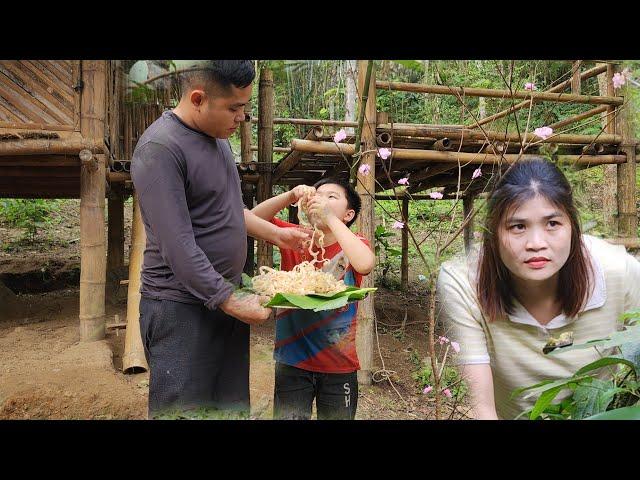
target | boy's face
[{"x": 336, "y": 200}]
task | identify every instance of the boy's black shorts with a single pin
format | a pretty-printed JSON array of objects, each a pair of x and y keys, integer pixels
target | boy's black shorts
[{"x": 336, "y": 394}]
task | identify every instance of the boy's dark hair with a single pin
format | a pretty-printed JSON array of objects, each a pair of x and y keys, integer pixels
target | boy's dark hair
[
  {"x": 217, "y": 76},
  {"x": 353, "y": 198}
]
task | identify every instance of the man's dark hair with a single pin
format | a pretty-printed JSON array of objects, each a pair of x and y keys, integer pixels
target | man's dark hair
[
  {"x": 217, "y": 76},
  {"x": 353, "y": 198}
]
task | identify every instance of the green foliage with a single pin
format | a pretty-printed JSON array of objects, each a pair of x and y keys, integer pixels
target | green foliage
[
  {"x": 30, "y": 214},
  {"x": 589, "y": 394},
  {"x": 388, "y": 256}
]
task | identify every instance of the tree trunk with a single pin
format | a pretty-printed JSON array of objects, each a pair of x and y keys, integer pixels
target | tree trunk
[{"x": 351, "y": 72}]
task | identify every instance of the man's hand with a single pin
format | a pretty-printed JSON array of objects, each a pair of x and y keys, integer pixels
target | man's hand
[
  {"x": 319, "y": 211},
  {"x": 247, "y": 307},
  {"x": 300, "y": 191},
  {"x": 292, "y": 238}
]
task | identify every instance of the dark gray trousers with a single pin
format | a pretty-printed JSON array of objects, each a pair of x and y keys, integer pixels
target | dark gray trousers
[{"x": 198, "y": 361}]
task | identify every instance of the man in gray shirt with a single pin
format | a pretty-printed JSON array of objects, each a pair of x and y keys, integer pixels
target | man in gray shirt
[{"x": 195, "y": 329}]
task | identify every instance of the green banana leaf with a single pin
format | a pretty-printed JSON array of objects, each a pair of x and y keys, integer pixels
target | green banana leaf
[{"x": 319, "y": 302}]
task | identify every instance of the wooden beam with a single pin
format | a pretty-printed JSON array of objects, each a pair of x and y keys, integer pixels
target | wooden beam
[
  {"x": 558, "y": 88},
  {"x": 245, "y": 140},
  {"x": 577, "y": 118},
  {"x": 365, "y": 185},
  {"x": 454, "y": 157},
  {"x": 54, "y": 147},
  {"x": 458, "y": 134},
  {"x": 93, "y": 254},
  {"x": 495, "y": 93},
  {"x": 627, "y": 208},
  {"x": 115, "y": 245},
  {"x": 290, "y": 161},
  {"x": 310, "y": 121},
  {"x": 265, "y": 153}
]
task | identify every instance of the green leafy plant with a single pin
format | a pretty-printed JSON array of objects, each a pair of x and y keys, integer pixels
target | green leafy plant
[
  {"x": 450, "y": 379},
  {"x": 30, "y": 214},
  {"x": 590, "y": 395},
  {"x": 387, "y": 255}
]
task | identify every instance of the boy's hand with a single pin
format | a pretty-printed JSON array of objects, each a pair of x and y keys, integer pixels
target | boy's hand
[
  {"x": 292, "y": 238},
  {"x": 247, "y": 308},
  {"x": 300, "y": 191},
  {"x": 318, "y": 209}
]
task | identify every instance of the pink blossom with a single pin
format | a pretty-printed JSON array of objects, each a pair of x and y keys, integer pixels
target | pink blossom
[
  {"x": 427, "y": 389},
  {"x": 447, "y": 393},
  {"x": 455, "y": 346},
  {"x": 477, "y": 235},
  {"x": 435, "y": 195},
  {"x": 619, "y": 79},
  {"x": 340, "y": 135},
  {"x": 530, "y": 86},
  {"x": 476, "y": 173},
  {"x": 398, "y": 225},
  {"x": 443, "y": 340},
  {"x": 403, "y": 181},
  {"x": 365, "y": 169},
  {"x": 384, "y": 153},
  {"x": 543, "y": 132}
]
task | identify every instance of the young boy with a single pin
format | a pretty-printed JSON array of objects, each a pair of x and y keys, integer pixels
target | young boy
[{"x": 315, "y": 352}]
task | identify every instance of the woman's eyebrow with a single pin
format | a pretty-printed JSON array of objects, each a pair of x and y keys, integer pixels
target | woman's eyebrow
[{"x": 523, "y": 220}]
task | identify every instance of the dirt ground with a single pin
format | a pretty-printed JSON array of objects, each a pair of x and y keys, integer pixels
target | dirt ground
[{"x": 46, "y": 373}]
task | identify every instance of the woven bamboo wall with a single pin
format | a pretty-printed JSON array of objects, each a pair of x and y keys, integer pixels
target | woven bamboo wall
[{"x": 40, "y": 94}]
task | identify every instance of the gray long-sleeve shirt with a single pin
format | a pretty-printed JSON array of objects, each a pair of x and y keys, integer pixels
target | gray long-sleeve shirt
[{"x": 191, "y": 204}]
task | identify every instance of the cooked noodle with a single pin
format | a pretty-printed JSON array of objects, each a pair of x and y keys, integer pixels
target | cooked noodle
[{"x": 304, "y": 279}]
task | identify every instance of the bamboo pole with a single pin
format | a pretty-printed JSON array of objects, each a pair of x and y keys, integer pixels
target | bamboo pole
[
  {"x": 115, "y": 244},
  {"x": 443, "y": 144},
  {"x": 364, "y": 95},
  {"x": 495, "y": 93},
  {"x": 404, "y": 263},
  {"x": 310, "y": 121},
  {"x": 452, "y": 157},
  {"x": 265, "y": 153},
  {"x": 365, "y": 185},
  {"x": 577, "y": 118},
  {"x": 575, "y": 78},
  {"x": 118, "y": 177},
  {"x": 133, "y": 359},
  {"x": 457, "y": 134},
  {"x": 55, "y": 146},
  {"x": 245, "y": 139},
  {"x": 290, "y": 161},
  {"x": 627, "y": 209},
  {"x": 248, "y": 194},
  {"x": 93, "y": 258},
  {"x": 610, "y": 172}
]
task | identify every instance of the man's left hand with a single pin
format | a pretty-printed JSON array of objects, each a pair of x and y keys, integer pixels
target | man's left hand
[{"x": 292, "y": 238}]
